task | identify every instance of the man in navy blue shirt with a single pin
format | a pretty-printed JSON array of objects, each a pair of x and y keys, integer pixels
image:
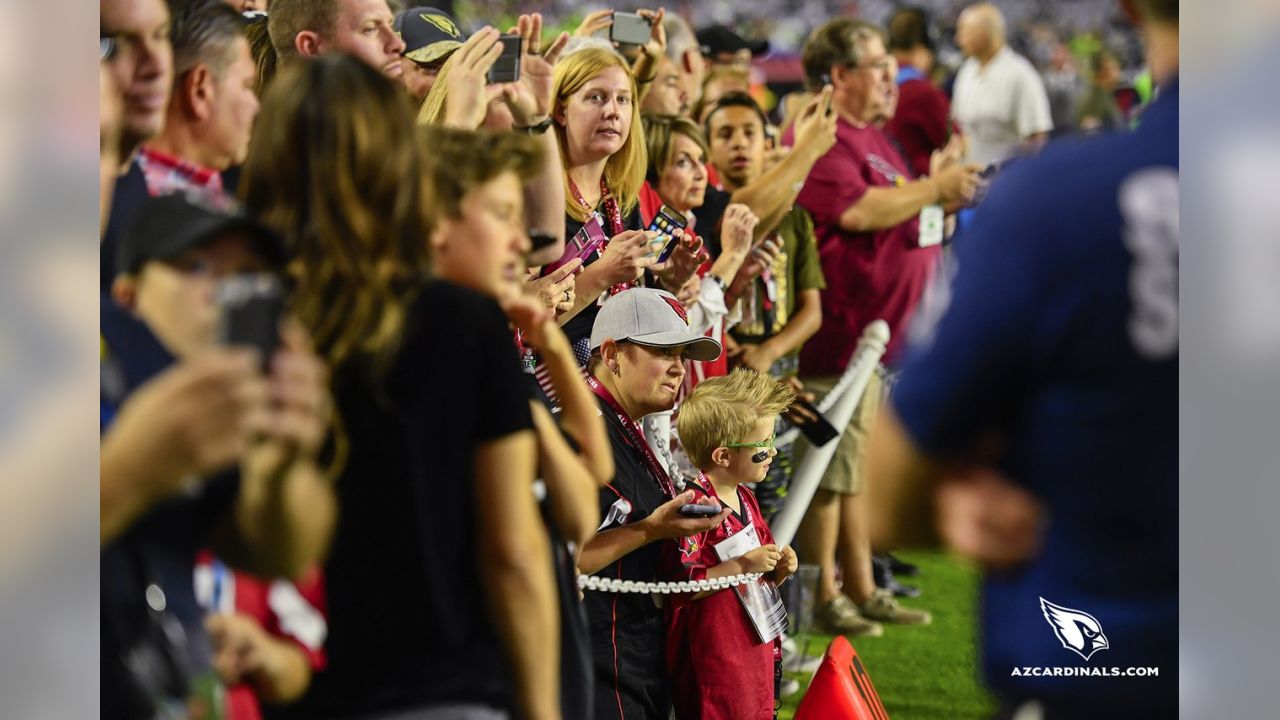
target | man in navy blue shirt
[
  {"x": 178, "y": 412},
  {"x": 1039, "y": 418}
]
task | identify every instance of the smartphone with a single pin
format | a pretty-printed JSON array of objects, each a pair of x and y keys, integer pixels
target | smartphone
[
  {"x": 630, "y": 29},
  {"x": 585, "y": 242},
  {"x": 506, "y": 69},
  {"x": 819, "y": 432},
  {"x": 666, "y": 222},
  {"x": 695, "y": 510},
  {"x": 250, "y": 307}
]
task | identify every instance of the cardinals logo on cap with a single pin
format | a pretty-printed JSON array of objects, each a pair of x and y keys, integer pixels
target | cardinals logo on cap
[
  {"x": 1078, "y": 631},
  {"x": 442, "y": 22},
  {"x": 675, "y": 305}
]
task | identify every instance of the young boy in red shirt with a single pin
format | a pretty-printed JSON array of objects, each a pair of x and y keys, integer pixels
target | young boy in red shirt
[{"x": 724, "y": 646}]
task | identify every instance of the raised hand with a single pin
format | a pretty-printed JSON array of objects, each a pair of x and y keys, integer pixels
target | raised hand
[
  {"x": 594, "y": 22},
  {"x": 530, "y": 99},
  {"x": 816, "y": 126},
  {"x": 737, "y": 227},
  {"x": 468, "y": 96}
]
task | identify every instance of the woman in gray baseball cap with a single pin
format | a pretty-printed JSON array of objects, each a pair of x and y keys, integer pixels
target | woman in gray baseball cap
[{"x": 639, "y": 342}]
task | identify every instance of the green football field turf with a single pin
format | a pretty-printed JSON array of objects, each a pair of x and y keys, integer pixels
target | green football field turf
[{"x": 927, "y": 672}]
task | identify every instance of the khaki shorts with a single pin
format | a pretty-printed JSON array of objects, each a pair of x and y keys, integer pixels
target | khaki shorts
[{"x": 846, "y": 475}]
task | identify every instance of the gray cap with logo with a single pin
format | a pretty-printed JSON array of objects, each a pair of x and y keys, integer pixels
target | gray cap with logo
[{"x": 653, "y": 318}]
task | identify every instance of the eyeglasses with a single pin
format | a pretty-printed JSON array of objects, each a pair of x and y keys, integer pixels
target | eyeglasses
[
  {"x": 766, "y": 443},
  {"x": 884, "y": 64},
  {"x": 106, "y": 48}
]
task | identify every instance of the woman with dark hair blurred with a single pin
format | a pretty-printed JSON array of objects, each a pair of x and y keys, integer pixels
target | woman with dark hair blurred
[{"x": 439, "y": 582}]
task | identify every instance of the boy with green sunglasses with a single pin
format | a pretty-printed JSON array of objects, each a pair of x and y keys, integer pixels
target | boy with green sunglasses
[{"x": 723, "y": 646}]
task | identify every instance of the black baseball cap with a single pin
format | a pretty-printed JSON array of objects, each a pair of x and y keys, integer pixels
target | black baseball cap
[
  {"x": 718, "y": 39},
  {"x": 429, "y": 34},
  {"x": 165, "y": 227}
]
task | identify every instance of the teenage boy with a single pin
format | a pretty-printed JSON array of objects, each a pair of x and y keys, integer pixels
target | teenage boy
[
  {"x": 724, "y": 646},
  {"x": 782, "y": 307}
]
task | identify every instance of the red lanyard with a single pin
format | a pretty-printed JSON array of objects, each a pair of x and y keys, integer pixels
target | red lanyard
[
  {"x": 613, "y": 218},
  {"x": 612, "y": 214},
  {"x": 635, "y": 438}
]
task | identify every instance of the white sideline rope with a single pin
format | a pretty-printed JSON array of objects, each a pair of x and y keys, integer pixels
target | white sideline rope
[
  {"x": 595, "y": 582},
  {"x": 842, "y": 401}
]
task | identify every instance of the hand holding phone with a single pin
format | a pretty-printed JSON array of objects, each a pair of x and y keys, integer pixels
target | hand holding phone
[
  {"x": 667, "y": 222},
  {"x": 250, "y": 307},
  {"x": 695, "y": 510},
  {"x": 506, "y": 69},
  {"x": 810, "y": 422},
  {"x": 582, "y": 245}
]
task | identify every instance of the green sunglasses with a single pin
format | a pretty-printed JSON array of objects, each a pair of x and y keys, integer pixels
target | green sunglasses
[{"x": 768, "y": 443}]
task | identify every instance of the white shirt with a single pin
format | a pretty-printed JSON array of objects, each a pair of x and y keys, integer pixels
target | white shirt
[{"x": 999, "y": 106}]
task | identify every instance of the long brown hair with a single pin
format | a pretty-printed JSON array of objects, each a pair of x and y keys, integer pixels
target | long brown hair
[{"x": 334, "y": 167}]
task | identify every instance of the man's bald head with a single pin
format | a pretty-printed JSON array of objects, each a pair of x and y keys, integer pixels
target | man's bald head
[{"x": 980, "y": 31}]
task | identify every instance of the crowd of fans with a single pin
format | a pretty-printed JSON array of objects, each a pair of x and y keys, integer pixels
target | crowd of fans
[{"x": 405, "y": 328}]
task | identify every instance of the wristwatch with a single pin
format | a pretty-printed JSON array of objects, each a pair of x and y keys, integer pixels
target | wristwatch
[{"x": 536, "y": 129}]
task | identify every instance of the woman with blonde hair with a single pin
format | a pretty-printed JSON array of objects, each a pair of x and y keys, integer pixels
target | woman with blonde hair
[
  {"x": 596, "y": 118},
  {"x": 439, "y": 582}
]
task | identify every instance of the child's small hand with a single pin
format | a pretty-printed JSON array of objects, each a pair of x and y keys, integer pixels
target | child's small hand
[
  {"x": 763, "y": 559},
  {"x": 787, "y": 565}
]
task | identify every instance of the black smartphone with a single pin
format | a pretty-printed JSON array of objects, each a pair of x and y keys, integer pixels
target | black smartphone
[
  {"x": 250, "y": 308},
  {"x": 630, "y": 29},
  {"x": 506, "y": 69},
  {"x": 695, "y": 510},
  {"x": 819, "y": 432}
]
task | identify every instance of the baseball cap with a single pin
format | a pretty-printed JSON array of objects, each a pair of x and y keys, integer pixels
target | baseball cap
[
  {"x": 164, "y": 227},
  {"x": 653, "y": 318},
  {"x": 429, "y": 34},
  {"x": 718, "y": 39}
]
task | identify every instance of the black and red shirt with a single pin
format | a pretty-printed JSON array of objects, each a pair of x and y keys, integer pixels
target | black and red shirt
[{"x": 627, "y": 628}]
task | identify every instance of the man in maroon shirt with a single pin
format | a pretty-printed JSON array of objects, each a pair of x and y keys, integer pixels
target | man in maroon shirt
[
  {"x": 921, "y": 124},
  {"x": 865, "y": 202}
]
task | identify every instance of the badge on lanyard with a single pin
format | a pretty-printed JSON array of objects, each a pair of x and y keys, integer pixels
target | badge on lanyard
[{"x": 932, "y": 220}]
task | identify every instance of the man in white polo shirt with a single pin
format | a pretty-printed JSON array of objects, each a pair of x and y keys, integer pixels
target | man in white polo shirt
[{"x": 999, "y": 100}]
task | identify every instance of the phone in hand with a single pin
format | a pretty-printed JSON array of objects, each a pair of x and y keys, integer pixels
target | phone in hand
[
  {"x": 250, "y": 307},
  {"x": 666, "y": 222},
  {"x": 506, "y": 69},
  {"x": 695, "y": 510},
  {"x": 818, "y": 432},
  {"x": 630, "y": 29},
  {"x": 585, "y": 242}
]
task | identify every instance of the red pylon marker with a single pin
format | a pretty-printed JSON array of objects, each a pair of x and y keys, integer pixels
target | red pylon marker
[{"x": 841, "y": 689}]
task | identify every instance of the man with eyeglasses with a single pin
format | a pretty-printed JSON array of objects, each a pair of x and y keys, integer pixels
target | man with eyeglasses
[{"x": 865, "y": 203}]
